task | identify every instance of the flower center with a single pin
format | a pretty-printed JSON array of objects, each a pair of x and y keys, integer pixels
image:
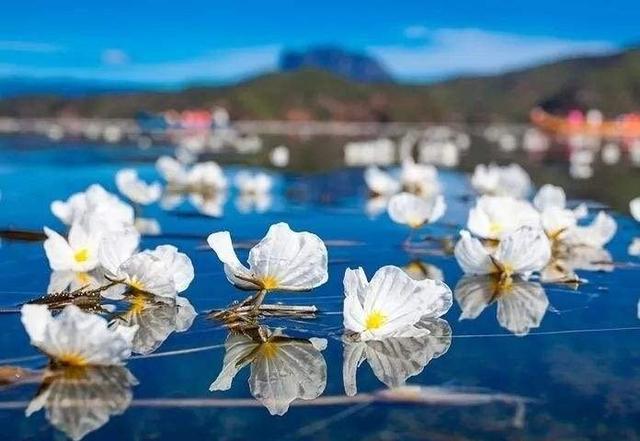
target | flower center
[
  {"x": 72, "y": 359},
  {"x": 415, "y": 222},
  {"x": 136, "y": 284},
  {"x": 83, "y": 278},
  {"x": 269, "y": 350},
  {"x": 269, "y": 282},
  {"x": 138, "y": 304},
  {"x": 495, "y": 228},
  {"x": 375, "y": 320},
  {"x": 82, "y": 255}
]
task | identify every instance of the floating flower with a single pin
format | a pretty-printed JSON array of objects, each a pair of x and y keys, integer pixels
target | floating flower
[
  {"x": 172, "y": 171},
  {"x": 419, "y": 270},
  {"x": 520, "y": 252},
  {"x": 521, "y": 304},
  {"x": 511, "y": 180},
  {"x": 163, "y": 272},
  {"x": 94, "y": 206},
  {"x": 80, "y": 400},
  {"x": 283, "y": 369},
  {"x": 209, "y": 204},
  {"x": 381, "y": 183},
  {"x": 61, "y": 281},
  {"x": 391, "y": 303},
  {"x": 597, "y": 234},
  {"x": 394, "y": 360},
  {"x": 634, "y": 208},
  {"x": 78, "y": 253},
  {"x": 135, "y": 189},
  {"x": 76, "y": 338},
  {"x": 409, "y": 209},
  {"x": 253, "y": 183},
  {"x": 551, "y": 196},
  {"x": 494, "y": 216},
  {"x": 421, "y": 179},
  {"x": 634, "y": 247},
  {"x": 284, "y": 260},
  {"x": 206, "y": 175}
]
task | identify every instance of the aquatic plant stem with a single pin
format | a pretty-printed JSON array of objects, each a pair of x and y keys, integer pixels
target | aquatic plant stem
[{"x": 257, "y": 300}]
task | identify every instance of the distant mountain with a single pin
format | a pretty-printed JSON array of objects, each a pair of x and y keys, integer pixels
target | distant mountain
[
  {"x": 610, "y": 83},
  {"x": 353, "y": 66}
]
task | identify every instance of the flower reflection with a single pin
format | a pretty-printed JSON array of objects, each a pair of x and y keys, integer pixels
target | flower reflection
[
  {"x": 156, "y": 318},
  {"x": 419, "y": 270},
  {"x": 521, "y": 303},
  {"x": 79, "y": 400},
  {"x": 393, "y": 360},
  {"x": 282, "y": 368}
]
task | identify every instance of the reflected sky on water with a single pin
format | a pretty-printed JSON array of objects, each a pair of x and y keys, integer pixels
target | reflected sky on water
[{"x": 579, "y": 361}]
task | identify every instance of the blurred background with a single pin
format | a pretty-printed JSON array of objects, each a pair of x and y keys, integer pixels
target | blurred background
[{"x": 547, "y": 84}]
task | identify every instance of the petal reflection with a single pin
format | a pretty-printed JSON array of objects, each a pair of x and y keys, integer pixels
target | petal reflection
[
  {"x": 282, "y": 368},
  {"x": 80, "y": 400},
  {"x": 521, "y": 304},
  {"x": 394, "y": 360}
]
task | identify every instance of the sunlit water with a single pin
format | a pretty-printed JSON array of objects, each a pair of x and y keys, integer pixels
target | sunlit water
[{"x": 581, "y": 366}]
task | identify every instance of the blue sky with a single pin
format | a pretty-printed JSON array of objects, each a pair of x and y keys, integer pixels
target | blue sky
[{"x": 180, "y": 41}]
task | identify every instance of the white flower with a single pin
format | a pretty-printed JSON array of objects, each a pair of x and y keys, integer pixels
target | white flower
[
  {"x": 634, "y": 208},
  {"x": 634, "y": 247},
  {"x": 259, "y": 203},
  {"x": 61, "y": 281},
  {"x": 163, "y": 272},
  {"x": 79, "y": 400},
  {"x": 414, "y": 211},
  {"x": 148, "y": 226},
  {"x": 206, "y": 175},
  {"x": 391, "y": 304},
  {"x": 521, "y": 304},
  {"x": 511, "y": 180},
  {"x": 279, "y": 156},
  {"x": 78, "y": 253},
  {"x": 283, "y": 369},
  {"x": 421, "y": 179},
  {"x": 135, "y": 189},
  {"x": 172, "y": 171},
  {"x": 95, "y": 206},
  {"x": 552, "y": 197},
  {"x": 209, "y": 204},
  {"x": 522, "y": 251},
  {"x": 201, "y": 177},
  {"x": 597, "y": 234},
  {"x": 254, "y": 184},
  {"x": 494, "y": 216},
  {"x": 381, "y": 183},
  {"x": 283, "y": 260},
  {"x": 76, "y": 338},
  {"x": 419, "y": 270},
  {"x": 396, "y": 359},
  {"x": 557, "y": 222}
]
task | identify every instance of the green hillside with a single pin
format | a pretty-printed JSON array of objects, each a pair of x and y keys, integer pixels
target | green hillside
[{"x": 610, "y": 83}]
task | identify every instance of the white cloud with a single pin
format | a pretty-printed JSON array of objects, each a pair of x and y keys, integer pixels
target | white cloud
[
  {"x": 114, "y": 57},
  {"x": 450, "y": 51},
  {"x": 415, "y": 31},
  {"x": 219, "y": 65},
  {"x": 29, "y": 46}
]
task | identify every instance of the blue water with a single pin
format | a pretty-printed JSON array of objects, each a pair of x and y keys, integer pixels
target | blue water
[{"x": 581, "y": 366}]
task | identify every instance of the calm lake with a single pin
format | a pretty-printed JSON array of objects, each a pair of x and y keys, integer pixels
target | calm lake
[{"x": 575, "y": 377}]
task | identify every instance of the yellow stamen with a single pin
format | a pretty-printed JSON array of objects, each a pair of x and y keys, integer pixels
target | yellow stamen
[
  {"x": 375, "y": 320},
  {"x": 269, "y": 282},
  {"x": 138, "y": 304},
  {"x": 269, "y": 350},
  {"x": 83, "y": 278},
  {"x": 82, "y": 255},
  {"x": 495, "y": 228},
  {"x": 136, "y": 284},
  {"x": 415, "y": 223},
  {"x": 72, "y": 359}
]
